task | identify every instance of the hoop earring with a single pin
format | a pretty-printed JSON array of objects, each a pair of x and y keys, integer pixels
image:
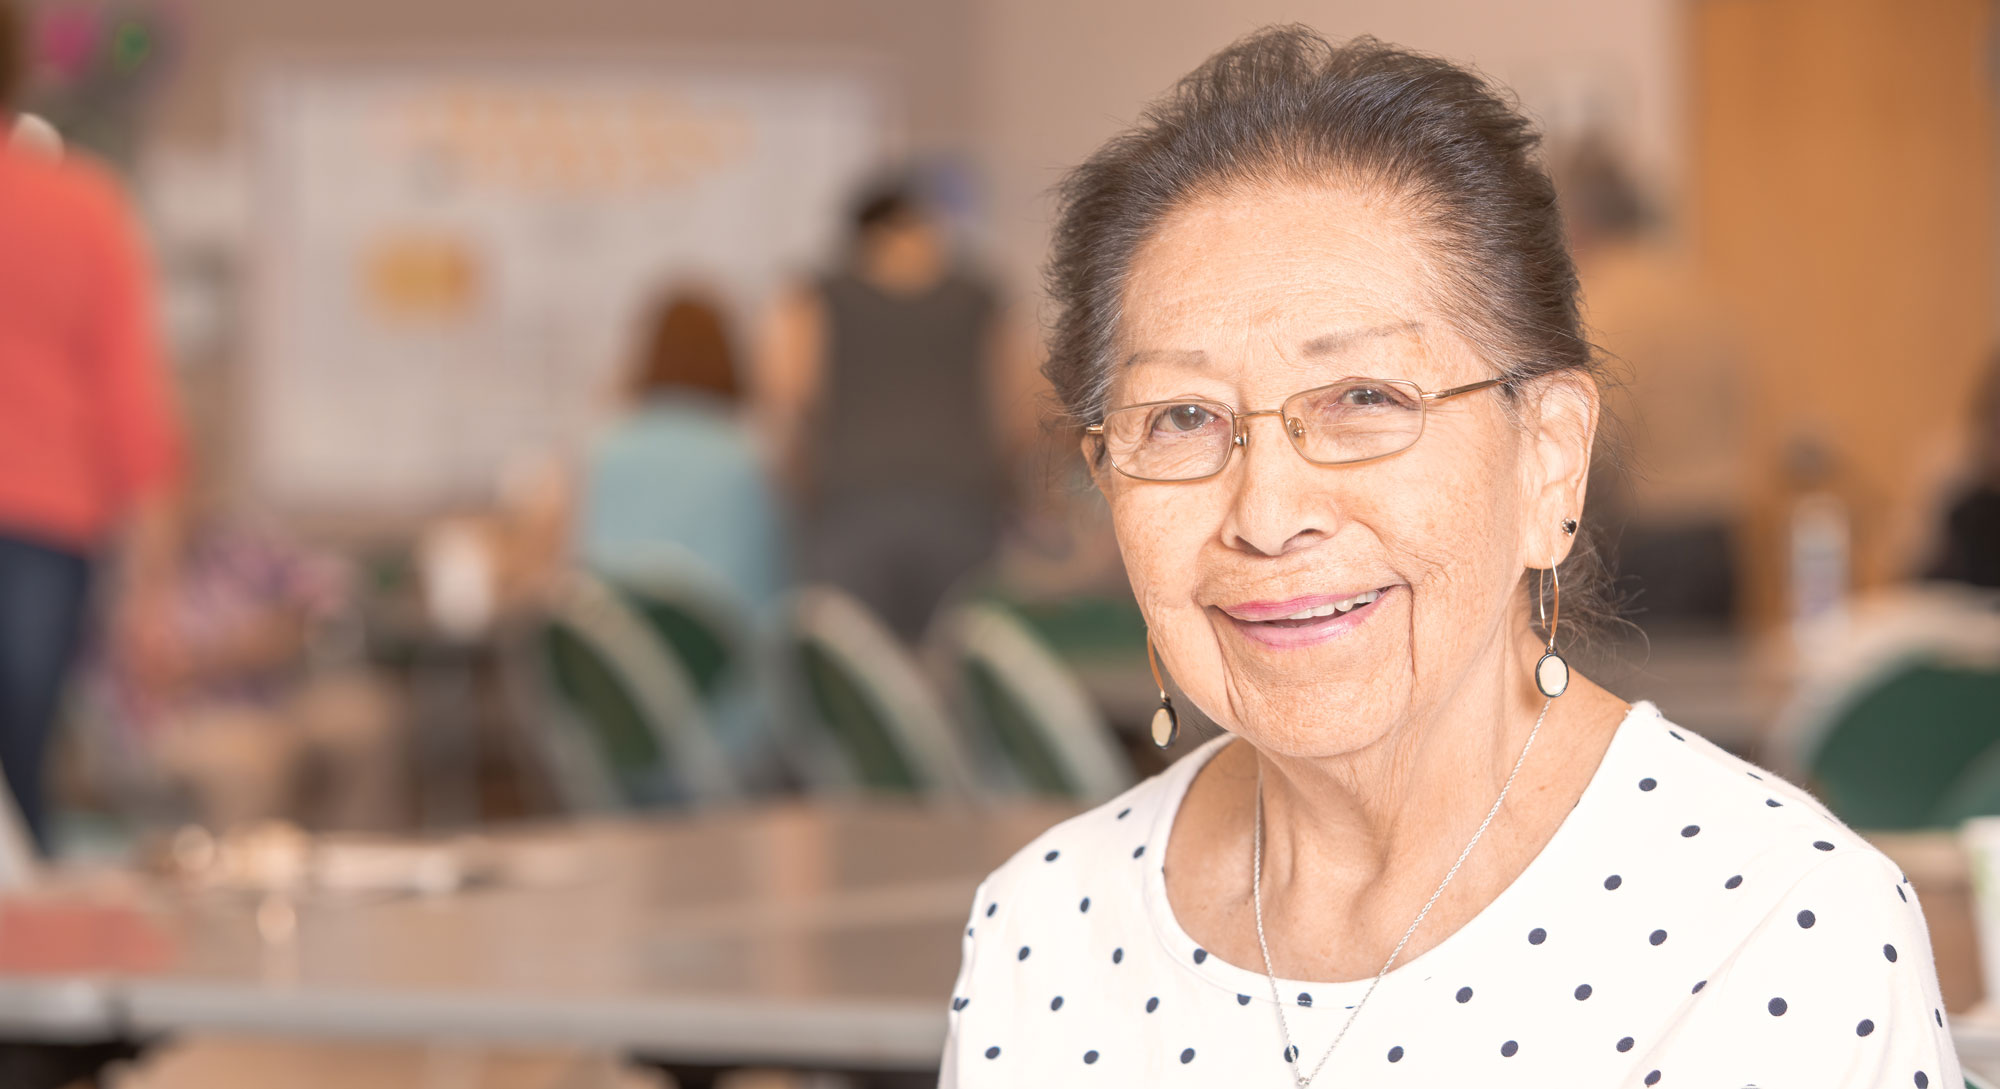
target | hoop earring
[
  {"x": 1551, "y": 670},
  {"x": 1166, "y": 724}
]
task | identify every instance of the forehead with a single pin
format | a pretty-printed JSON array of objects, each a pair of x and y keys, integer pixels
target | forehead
[{"x": 1232, "y": 272}]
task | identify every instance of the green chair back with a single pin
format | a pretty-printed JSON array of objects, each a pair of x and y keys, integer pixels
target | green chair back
[
  {"x": 1895, "y": 753},
  {"x": 1015, "y": 733},
  {"x": 612, "y": 680},
  {"x": 868, "y": 697},
  {"x": 1975, "y": 793},
  {"x": 857, "y": 724},
  {"x": 600, "y": 700},
  {"x": 702, "y": 649},
  {"x": 1029, "y": 707}
]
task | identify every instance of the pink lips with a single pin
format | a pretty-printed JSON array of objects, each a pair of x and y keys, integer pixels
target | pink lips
[{"x": 1249, "y": 618}]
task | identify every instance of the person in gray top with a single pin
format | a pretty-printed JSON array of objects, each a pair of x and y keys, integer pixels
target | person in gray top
[{"x": 881, "y": 376}]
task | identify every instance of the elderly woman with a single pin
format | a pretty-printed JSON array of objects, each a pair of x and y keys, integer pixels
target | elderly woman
[{"x": 1320, "y": 323}]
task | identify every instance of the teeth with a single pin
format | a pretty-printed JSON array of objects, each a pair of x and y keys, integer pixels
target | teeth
[{"x": 1335, "y": 607}]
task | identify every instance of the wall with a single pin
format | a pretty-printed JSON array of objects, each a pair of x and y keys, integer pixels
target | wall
[{"x": 1057, "y": 77}]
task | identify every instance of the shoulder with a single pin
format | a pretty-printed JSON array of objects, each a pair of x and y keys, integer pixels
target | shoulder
[
  {"x": 1096, "y": 854},
  {"x": 75, "y": 184},
  {"x": 1698, "y": 813}
]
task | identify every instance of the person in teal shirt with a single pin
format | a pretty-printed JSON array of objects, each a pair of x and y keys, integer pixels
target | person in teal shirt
[{"x": 681, "y": 480}]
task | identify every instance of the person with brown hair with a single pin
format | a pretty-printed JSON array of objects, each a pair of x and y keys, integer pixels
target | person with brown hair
[
  {"x": 90, "y": 451},
  {"x": 680, "y": 480},
  {"x": 1316, "y": 330}
]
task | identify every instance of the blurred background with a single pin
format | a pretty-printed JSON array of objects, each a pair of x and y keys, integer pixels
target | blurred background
[{"x": 560, "y": 572}]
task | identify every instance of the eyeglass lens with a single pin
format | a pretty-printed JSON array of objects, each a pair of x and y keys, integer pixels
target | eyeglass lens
[{"x": 1187, "y": 440}]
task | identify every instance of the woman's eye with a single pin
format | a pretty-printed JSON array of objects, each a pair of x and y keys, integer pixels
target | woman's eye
[
  {"x": 1184, "y": 418},
  {"x": 1366, "y": 395}
]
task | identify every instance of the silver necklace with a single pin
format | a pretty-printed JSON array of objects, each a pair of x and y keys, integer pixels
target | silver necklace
[{"x": 1257, "y": 899}]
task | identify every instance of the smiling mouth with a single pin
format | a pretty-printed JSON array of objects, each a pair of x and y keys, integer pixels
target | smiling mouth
[
  {"x": 1308, "y": 617},
  {"x": 1306, "y": 620}
]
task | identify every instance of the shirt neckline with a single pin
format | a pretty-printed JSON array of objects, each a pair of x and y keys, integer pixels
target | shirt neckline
[{"x": 1216, "y": 972}]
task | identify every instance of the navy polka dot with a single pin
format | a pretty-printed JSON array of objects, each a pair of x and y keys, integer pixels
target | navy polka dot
[
  {"x": 1305, "y": 999},
  {"x": 1139, "y": 850},
  {"x": 1085, "y": 905},
  {"x": 1625, "y": 1044},
  {"x": 992, "y": 1052},
  {"x": 959, "y": 1003},
  {"x": 1291, "y": 1054},
  {"x": 1657, "y": 936},
  {"x": 1733, "y": 882},
  {"x": 1864, "y": 1028},
  {"x": 1890, "y": 952},
  {"x": 1465, "y": 994},
  {"x": 1773, "y": 802},
  {"x": 1091, "y": 1056},
  {"x": 1200, "y": 955},
  {"x": 991, "y": 908},
  {"x": 1537, "y": 936},
  {"x": 1055, "y": 1003},
  {"x": 1396, "y": 1054},
  {"x": 1051, "y": 856},
  {"x": 1187, "y": 1056},
  {"x": 1806, "y": 920},
  {"x": 1125, "y": 812},
  {"x": 1653, "y": 1078},
  {"x": 1508, "y": 1049},
  {"x": 1613, "y": 881},
  {"x": 1118, "y": 955},
  {"x": 1776, "y": 1006},
  {"x": 1939, "y": 1014},
  {"x": 1243, "y": 1000},
  {"x": 1023, "y": 955},
  {"x": 1822, "y": 845},
  {"x": 1690, "y": 831},
  {"x": 1698, "y": 987},
  {"x": 1582, "y": 991},
  {"x": 1647, "y": 784},
  {"x": 1923, "y": 1080},
  {"x": 1900, "y": 896},
  {"x": 1152, "y": 1004},
  {"x": 1755, "y": 776},
  {"x": 1677, "y": 737}
]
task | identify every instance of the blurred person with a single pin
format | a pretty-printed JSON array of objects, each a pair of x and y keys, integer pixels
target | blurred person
[
  {"x": 1968, "y": 548},
  {"x": 1316, "y": 328},
  {"x": 681, "y": 477},
  {"x": 246, "y": 714},
  {"x": 883, "y": 376},
  {"x": 89, "y": 448}
]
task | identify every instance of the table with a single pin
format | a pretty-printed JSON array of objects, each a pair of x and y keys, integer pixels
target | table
[{"x": 823, "y": 938}]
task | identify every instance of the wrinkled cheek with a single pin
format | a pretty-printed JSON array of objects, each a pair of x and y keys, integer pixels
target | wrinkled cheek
[{"x": 1160, "y": 548}]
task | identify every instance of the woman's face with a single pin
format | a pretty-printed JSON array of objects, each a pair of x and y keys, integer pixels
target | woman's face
[{"x": 1252, "y": 297}]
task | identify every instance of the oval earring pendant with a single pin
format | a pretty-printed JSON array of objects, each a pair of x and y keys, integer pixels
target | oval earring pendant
[
  {"x": 1166, "y": 725},
  {"x": 1551, "y": 676}
]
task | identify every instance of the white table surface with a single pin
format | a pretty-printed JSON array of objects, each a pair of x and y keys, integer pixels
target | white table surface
[{"x": 821, "y": 937}]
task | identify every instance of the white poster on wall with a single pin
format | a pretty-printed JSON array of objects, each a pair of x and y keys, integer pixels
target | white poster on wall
[{"x": 452, "y": 263}]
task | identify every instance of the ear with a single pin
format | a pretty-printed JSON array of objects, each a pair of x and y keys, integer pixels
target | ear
[
  {"x": 1563, "y": 416},
  {"x": 1092, "y": 447}
]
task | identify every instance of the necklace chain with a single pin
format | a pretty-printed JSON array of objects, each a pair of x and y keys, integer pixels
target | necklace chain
[{"x": 1257, "y": 899}]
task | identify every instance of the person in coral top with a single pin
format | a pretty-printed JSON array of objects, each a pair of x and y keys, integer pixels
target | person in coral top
[{"x": 89, "y": 449}]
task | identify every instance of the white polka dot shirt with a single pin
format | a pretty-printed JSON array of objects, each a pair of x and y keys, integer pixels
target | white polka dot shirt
[{"x": 1694, "y": 921}]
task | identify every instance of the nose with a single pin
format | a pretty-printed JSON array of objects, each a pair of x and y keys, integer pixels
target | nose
[{"x": 1282, "y": 502}]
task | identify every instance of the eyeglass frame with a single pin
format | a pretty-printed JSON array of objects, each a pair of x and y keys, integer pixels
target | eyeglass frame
[{"x": 1239, "y": 433}]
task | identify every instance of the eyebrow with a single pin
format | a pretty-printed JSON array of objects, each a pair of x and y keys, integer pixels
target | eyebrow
[{"x": 1323, "y": 345}]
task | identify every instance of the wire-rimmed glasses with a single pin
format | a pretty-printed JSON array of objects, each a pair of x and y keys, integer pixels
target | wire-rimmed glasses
[{"x": 1354, "y": 419}]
